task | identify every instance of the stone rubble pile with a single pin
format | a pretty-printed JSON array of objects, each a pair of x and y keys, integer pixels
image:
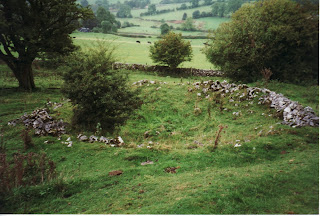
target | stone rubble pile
[
  {"x": 113, "y": 142},
  {"x": 294, "y": 114},
  {"x": 55, "y": 105},
  {"x": 42, "y": 123},
  {"x": 156, "y": 68},
  {"x": 147, "y": 82}
]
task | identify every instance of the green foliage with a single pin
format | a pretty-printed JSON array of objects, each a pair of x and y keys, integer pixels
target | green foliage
[
  {"x": 188, "y": 25},
  {"x": 279, "y": 35},
  {"x": 165, "y": 28},
  {"x": 275, "y": 173},
  {"x": 171, "y": 50},
  {"x": 106, "y": 21},
  {"x": 25, "y": 169},
  {"x": 105, "y": 15},
  {"x": 84, "y": 3},
  {"x": 124, "y": 11},
  {"x": 184, "y": 17},
  {"x": 29, "y": 29},
  {"x": 194, "y": 3},
  {"x": 196, "y": 14},
  {"x": 234, "y": 5},
  {"x": 98, "y": 94},
  {"x": 152, "y": 9},
  {"x": 219, "y": 9},
  {"x": 106, "y": 26}
]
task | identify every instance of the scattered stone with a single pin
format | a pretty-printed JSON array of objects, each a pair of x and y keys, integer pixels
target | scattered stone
[
  {"x": 198, "y": 143},
  {"x": 146, "y": 163},
  {"x": 54, "y": 105},
  {"x": 42, "y": 123},
  {"x": 115, "y": 172},
  {"x": 104, "y": 140},
  {"x": 83, "y": 138},
  {"x": 93, "y": 138},
  {"x": 294, "y": 114},
  {"x": 171, "y": 169},
  {"x": 147, "y": 82},
  {"x": 146, "y": 134},
  {"x": 197, "y": 111},
  {"x": 236, "y": 113}
]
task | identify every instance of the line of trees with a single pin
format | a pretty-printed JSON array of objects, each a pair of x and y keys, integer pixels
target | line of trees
[
  {"x": 103, "y": 21},
  {"x": 194, "y": 4},
  {"x": 152, "y": 10}
]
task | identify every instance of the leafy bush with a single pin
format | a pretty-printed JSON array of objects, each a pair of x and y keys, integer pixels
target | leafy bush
[
  {"x": 171, "y": 50},
  {"x": 188, "y": 25},
  {"x": 279, "y": 35},
  {"x": 98, "y": 93},
  {"x": 165, "y": 28}
]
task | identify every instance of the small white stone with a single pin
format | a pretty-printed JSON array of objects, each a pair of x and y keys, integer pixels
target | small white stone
[
  {"x": 120, "y": 140},
  {"x": 287, "y": 109}
]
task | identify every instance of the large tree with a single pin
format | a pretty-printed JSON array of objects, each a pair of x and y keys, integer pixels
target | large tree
[
  {"x": 29, "y": 28},
  {"x": 278, "y": 35},
  {"x": 171, "y": 50}
]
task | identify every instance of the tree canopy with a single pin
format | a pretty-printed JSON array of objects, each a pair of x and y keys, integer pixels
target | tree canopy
[
  {"x": 171, "y": 50},
  {"x": 31, "y": 27},
  {"x": 278, "y": 35}
]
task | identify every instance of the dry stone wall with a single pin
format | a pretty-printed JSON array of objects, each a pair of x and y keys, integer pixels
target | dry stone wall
[
  {"x": 294, "y": 114},
  {"x": 156, "y": 68}
]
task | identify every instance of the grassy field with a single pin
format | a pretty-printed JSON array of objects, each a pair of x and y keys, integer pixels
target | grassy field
[
  {"x": 129, "y": 51},
  {"x": 173, "y": 18},
  {"x": 273, "y": 172}
]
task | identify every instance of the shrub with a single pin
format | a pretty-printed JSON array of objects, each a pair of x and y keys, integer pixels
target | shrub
[
  {"x": 171, "y": 50},
  {"x": 280, "y": 35},
  {"x": 188, "y": 25},
  {"x": 25, "y": 169},
  {"x": 165, "y": 28},
  {"x": 26, "y": 138},
  {"x": 98, "y": 93}
]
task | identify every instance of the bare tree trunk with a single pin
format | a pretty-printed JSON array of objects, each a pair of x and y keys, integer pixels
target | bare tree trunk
[{"x": 24, "y": 74}]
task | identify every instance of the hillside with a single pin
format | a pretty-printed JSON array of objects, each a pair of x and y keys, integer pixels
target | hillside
[{"x": 168, "y": 162}]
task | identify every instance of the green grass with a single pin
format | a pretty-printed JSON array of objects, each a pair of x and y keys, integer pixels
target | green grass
[
  {"x": 129, "y": 51},
  {"x": 256, "y": 178}
]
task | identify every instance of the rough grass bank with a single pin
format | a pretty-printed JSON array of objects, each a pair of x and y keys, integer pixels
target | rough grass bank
[{"x": 168, "y": 164}]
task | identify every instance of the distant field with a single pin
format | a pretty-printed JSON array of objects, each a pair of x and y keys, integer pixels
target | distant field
[
  {"x": 212, "y": 22},
  {"x": 177, "y": 15},
  {"x": 129, "y": 51},
  {"x": 172, "y": 19},
  {"x": 145, "y": 23}
]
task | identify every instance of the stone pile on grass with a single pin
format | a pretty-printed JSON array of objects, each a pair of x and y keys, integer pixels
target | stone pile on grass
[
  {"x": 147, "y": 82},
  {"x": 294, "y": 114},
  {"x": 113, "y": 142},
  {"x": 42, "y": 123}
]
